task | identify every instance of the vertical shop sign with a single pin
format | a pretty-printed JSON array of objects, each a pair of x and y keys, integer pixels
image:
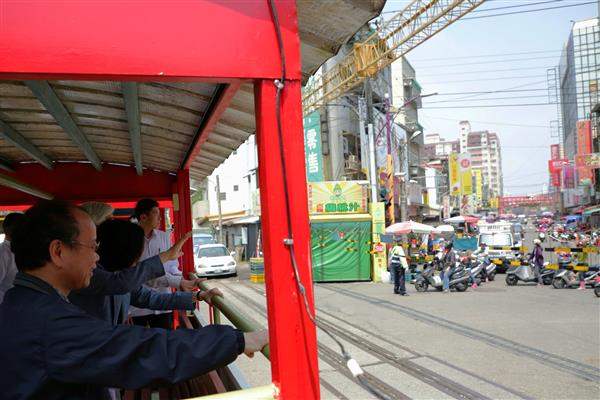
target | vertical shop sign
[
  {"x": 453, "y": 174},
  {"x": 312, "y": 147}
]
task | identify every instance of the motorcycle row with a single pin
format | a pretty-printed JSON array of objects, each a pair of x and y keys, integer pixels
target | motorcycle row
[
  {"x": 474, "y": 270},
  {"x": 467, "y": 272}
]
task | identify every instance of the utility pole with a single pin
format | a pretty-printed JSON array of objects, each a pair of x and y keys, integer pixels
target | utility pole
[
  {"x": 219, "y": 208},
  {"x": 403, "y": 178},
  {"x": 371, "y": 137}
]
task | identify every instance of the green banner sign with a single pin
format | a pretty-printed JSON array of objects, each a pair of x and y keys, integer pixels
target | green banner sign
[{"x": 312, "y": 147}]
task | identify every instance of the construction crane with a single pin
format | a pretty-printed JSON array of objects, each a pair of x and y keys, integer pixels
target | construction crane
[{"x": 416, "y": 23}]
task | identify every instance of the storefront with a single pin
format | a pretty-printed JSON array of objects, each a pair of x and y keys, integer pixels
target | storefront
[{"x": 341, "y": 231}]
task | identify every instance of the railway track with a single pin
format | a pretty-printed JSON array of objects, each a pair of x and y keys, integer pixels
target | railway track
[
  {"x": 428, "y": 377},
  {"x": 331, "y": 357},
  {"x": 577, "y": 369}
]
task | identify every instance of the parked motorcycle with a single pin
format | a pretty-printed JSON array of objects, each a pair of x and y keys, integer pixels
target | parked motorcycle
[
  {"x": 597, "y": 287},
  {"x": 568, "y": 278},
  {"x": 524, "y": 273},
  {"x": 459, "y": 279}
]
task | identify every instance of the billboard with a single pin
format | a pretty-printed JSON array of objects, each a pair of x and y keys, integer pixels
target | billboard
[
  {"x": 337, "y": 197},
  {"x": 591, "y": 160},
  {"x": 454, "y": 174},
  {"x": 555, "y": 167},
  {"x": 478, "y": 183},
  {"x": 466, "y": 179},
  {"x": 312, "y": 147},
  {"x": 584, "y": 146},
  {"x": 554, "y": 152}
]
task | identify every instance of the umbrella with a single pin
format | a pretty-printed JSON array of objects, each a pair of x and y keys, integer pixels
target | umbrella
[
  {"x": 444, "y": 229},
  {"x": 401, "y": 228},
  {"x": 461, "y": 219}
]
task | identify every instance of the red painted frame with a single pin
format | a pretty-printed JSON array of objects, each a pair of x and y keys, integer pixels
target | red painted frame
[{"x": 210, "y": 41}]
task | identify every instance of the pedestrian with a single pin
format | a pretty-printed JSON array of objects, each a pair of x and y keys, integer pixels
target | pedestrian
[
  {"x": 448, "y": 262},
  {"x": 147, "y": 213},
  {"x": 537, "y": 257},
  {"x": 8, "y": 268},
  {"x": 398, "y": 266},
  {"x": 50, "y": 349}
]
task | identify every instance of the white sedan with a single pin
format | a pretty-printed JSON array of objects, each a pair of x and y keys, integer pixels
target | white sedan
[{"x": 214, "y": 260}]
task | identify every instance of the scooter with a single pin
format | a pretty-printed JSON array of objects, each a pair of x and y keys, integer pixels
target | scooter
[
  {"x": 490, "y": 270},
  {"x": 459, "y": 279},
  {"x": 567, "y": 278},
  {"x": 523, "y": 272},
  {"x": 597, "y": 287}
]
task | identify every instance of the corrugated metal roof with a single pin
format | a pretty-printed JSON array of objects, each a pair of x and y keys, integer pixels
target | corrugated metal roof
[{"x": 170, "y": 113}]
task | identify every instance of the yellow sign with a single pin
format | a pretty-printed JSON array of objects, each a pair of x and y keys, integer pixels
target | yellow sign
[
  {"x": 478, "y": 183},
  {"x": 582, "y": 268},
  {"x": 497, "y": 261},
  {"x": 454, "y": 174},
  {"x": 552, "y": 266},
  {"x": 466, "y": 179},
  {"x": 515, "y": 263},
  {"x": 378, "y": 258},
  {"x": 337, "y": 197}
]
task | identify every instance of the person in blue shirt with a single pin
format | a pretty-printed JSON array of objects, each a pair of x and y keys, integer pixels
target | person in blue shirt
[
  {"x": 120, "y": 245},
  {"x": 51, "y": 349}
]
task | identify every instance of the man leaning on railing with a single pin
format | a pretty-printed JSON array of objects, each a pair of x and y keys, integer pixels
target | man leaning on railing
[{"x": 50, "y": 349}]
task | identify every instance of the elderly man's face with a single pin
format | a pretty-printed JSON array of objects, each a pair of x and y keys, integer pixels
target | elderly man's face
[{"x": 79, "y": 259}]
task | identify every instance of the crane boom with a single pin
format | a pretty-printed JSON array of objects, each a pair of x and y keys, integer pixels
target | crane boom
[{"x": 416, "y": 23}]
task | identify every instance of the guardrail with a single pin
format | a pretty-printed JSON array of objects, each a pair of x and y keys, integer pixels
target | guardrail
[
  {"x": 220, "y": 305},
  {"x": 267, "y": 392}
]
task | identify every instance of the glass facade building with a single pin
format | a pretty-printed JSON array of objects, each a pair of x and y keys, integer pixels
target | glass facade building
[{"x": 579, "y": 71}]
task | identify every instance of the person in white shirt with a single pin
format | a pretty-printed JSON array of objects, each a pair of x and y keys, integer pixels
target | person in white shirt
[
  {"x": 147, "y": 213},
  {"x": 8, "y": 268}
]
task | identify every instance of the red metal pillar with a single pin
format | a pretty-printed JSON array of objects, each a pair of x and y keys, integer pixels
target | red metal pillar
[
  {"x": 292, "y": 335},
  {"x": 183, "y": 220}
]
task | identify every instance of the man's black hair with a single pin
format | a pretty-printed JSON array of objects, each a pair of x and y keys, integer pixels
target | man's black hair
[
  {"x": 10, "y": 223},
  {"x": 121, "y": 244},
  {"x": 43, "y": 223},
  {"x": 144, "y": 206}
]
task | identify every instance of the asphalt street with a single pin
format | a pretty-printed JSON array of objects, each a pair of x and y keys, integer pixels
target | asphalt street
[{"x": 494, "y": 342}]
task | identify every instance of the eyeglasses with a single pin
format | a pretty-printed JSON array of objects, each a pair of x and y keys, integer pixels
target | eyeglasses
[{"x": 93, "y": 246}]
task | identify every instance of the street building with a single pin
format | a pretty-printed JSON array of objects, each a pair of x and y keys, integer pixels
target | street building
[
  {"x": 484, "y": 150},
  {"x": 579, "y": 72}
]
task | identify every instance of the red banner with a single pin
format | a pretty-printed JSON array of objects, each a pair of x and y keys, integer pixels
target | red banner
[
  {"x": 555, "y": 167},
  {"x": 584, "y": 146},
  {"x": 554, "y": 152}
]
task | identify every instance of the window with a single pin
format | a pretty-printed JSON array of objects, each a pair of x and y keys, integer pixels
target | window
[
  {"x": 222, "y": 196},
  {"x": 236, "y": 188}
]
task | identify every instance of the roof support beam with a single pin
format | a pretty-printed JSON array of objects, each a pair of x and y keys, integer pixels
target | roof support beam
[
  {"x": 19, "y": 141},
  {"x": 6, "y": 164},
  {"x": 218, "y": 104},
  {"x": 46, "y": 95},
  {"x": 132, "y": 106},
  {"x": 16, "y": 184}
]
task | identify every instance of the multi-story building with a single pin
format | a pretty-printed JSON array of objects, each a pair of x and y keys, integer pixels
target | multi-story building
[
  {"x": 484, "y": 149},
  {"x": 579, "y": 72},
  {"x": 406, "y": 93},
  {"x": 436, "y": 147},
  {"x": 579, "y": 75}
]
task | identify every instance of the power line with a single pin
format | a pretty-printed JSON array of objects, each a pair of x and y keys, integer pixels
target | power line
[
  {"x": 490, "y": 98},
  {"x": 486, "y": 71},
  {"x": 490, "y": 122},
  {"x": 486, "y": 55},
  {"x": 519, "y": 5},
  {"x": 486, "y": 62},
  {"x": 497, "y": 105},
  {"x": 527, "y": 11},
  {"x": 485, "y": 79}
]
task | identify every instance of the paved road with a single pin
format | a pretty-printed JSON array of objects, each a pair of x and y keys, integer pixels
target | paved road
[{"x": 495, "y": 342}]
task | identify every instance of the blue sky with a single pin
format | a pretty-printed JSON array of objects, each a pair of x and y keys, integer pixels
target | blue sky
[{"x": 466, "y": 51}]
